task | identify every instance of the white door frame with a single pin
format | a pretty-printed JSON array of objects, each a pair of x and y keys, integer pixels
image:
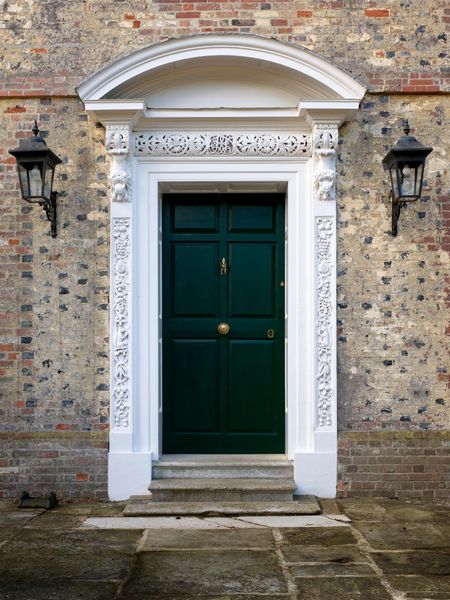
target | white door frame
[{"x": 242, "y": 142}]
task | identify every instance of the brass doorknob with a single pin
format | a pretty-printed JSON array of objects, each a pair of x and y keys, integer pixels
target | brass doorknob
[{"x": 223, "y": 328}]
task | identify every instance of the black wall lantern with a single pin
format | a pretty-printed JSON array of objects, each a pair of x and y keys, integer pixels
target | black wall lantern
[
  {"x": 36, "y": 167},
  {"x": 405, "y": 162}
]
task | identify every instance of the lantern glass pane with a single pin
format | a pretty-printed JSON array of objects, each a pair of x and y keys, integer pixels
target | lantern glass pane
[
  {"x": 23, "y": 180},
  {"x": 407, "y": 181},
  {"x": 35, "y": 181},
  {"x": 419, "y": 179},
  {"x": 395, "y": 181},
  {"x": 48, "y": 182}
]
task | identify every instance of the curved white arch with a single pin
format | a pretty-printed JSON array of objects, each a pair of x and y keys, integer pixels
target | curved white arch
[{"x": 297, "y": 60}]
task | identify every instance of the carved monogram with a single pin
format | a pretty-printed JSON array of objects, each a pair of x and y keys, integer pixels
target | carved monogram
[
  {"x": 121, "y": 322},
  {"x": 324, "y": 320},
  {"x": 222, "y": 144}
]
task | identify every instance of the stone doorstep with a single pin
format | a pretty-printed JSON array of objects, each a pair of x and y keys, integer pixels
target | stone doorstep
[
  {"x": 222, "y": 489},
  {"x": 142, "y": 506}
]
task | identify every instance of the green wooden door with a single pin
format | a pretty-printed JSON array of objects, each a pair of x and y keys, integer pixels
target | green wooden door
[{"x": 223, "y": 262}]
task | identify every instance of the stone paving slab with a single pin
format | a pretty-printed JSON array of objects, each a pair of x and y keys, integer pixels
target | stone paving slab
[
  {"x": 51, "y": 589},
  {"x": 88, "y": 555},
  {"x": 399, "y": 536},
  {"x": 341, "y": 588},
  {"x": 341, "y": 555},
  {"x": 290, "y": 521},
  {"x": 316, "y": 536},
  {"x": 149, "y": 523},
  {"x": 18, "y": 518},
  {"x": 335, "y": 570},
  {"x": 416, "y": 562},
  {"x": 437, "y": 587},
  {"x": 212, "y": 572},
  {"x": 202, "y": 540}
]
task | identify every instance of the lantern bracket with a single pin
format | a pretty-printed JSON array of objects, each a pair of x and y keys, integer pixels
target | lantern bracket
[
  {"x": 397, "y": 205},
  {"x": 49, "y": 207}
]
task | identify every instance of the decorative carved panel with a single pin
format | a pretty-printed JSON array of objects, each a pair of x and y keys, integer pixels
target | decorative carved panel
[
  {"x": 121, "y": 322},
  {"x": 324, "y": 319},
  {"x": 192, "y": 144}
]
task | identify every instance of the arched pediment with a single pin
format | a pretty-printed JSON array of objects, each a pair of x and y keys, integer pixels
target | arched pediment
[{"x": 221, "y": 71}]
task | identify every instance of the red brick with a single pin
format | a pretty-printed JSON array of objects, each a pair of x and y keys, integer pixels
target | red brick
[{"x": 377, "y": 12}]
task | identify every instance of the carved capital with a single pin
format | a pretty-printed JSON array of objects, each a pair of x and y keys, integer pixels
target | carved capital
[
  {"x": 117, "y": 139},
  {"x": 325, "y": 139}
]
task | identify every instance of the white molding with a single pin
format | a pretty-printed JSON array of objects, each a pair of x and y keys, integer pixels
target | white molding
[
  {"x": 222, "y": 144},
  {"x": 298, "y": 60}
]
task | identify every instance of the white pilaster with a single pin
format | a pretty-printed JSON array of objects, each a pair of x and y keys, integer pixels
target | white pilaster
[
  {"x": 316, "y": 469},
  {"x": 129, "y": 472}
]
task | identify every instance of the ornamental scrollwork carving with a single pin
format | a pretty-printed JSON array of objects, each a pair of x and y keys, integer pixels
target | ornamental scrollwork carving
[
  {"x": 325, "y": 140},
  {"x": 117, "y": 139},
  {"x": 121, "y": 322},
  {"x": 324, "y": 237},
  {"x": 191, "y": 144},
  {"x": 324, "y": 185}
]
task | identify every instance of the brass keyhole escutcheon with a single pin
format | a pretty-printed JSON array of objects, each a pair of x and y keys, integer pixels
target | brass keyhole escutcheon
[
  {"x": 223, "y": 328},
  {"x": 271, "y": 334}
]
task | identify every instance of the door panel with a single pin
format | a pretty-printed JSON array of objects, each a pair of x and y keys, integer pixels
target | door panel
[
  {"x": 251, "y": 281},
  {"x": 194, "y": 269},
  {"x": 252, "y": 386},
  {"x": 223, "y": 262},
  {"x": 192, "y": 409}
]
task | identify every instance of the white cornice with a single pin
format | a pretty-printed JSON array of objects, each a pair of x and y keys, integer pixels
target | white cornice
[{"x": 293, "y": 58}]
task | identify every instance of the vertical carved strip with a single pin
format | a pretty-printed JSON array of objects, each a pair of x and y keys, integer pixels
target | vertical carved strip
[
  {"x": 324, "y": 319},
  {"x": 325, "y": 141},
  {"x": 121, "y": 322},
  {"x": 118, "y": 147}
]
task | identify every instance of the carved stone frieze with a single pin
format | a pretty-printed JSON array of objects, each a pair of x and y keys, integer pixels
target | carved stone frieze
[
  {"x": 117, "y": 144},
  {"x": 223, "y": 144},
  {"x": 121, "y": 322},
  {"x": 324, "y": 320}
]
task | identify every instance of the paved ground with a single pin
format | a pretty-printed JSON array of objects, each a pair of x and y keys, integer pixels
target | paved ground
[{"x": 390, "y": 549}]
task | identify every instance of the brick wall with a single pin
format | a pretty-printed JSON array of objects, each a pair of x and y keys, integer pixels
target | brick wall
[
  {"x": 393, "y": 294},
  {"x": 412, "y": 464},
  {"x": 72, "y": 464}
]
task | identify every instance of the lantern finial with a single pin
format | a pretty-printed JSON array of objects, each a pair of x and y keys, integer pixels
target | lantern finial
[
  {"x": 35, "y": 128},
  {"x": 406, "y": 127}
]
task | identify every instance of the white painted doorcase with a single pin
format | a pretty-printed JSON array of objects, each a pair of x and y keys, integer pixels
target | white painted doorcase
[{"x": 222, "y": 114}]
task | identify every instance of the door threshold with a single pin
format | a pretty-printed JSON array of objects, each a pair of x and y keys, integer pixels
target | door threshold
[{"x": 221, "y": 458}]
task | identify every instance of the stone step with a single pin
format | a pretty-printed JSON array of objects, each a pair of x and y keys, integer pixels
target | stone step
[
  {"x": 221, "y": 490},
  {"x": 253, "y": 466},
  {"x": 305, "y": 505}
]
